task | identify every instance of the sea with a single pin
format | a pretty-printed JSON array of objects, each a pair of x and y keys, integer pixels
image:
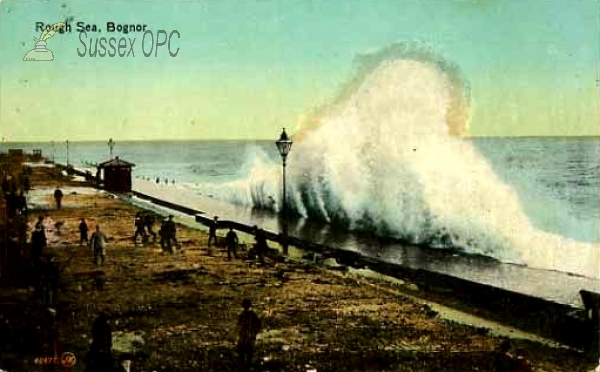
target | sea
[
  {"x": 556, "y": 182},
  {"x": 388, "y": 158}
]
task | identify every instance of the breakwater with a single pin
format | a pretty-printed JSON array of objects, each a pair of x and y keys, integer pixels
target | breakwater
[{"x": 559, "y": 320}]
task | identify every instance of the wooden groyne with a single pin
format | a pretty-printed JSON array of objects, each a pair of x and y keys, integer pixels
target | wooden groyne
[
  {"x": 563, "y": 323},
  {"x": 166, "y": 204},
  {"x": 548, "y": 319}
]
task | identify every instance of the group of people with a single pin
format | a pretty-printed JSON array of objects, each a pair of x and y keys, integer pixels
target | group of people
[
  {"x": 231, "y": 239},
  {"x": 144, "y": 227}
]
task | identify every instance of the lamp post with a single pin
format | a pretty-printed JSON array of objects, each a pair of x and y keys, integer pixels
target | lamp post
[
  {"x": 284, "y": 145},
  {"x": 111, "y": 146}
]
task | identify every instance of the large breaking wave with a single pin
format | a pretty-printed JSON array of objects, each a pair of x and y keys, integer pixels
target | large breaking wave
[{"x": 388, "y": 156}]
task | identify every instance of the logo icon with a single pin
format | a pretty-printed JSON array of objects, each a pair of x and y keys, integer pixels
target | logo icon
[
  {"x": 40, "y": 52},
  {"x": 67, "y": 360}
]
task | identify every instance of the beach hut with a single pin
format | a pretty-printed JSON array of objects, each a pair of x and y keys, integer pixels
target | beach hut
[
  {"x": 37, "y": 155},
  {"x": 116, "y": 175}
]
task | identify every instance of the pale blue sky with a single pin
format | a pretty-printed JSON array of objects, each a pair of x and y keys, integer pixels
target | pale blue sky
[{"x": 247, "y": 68}]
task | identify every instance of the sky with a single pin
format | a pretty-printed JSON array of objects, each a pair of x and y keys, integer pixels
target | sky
[{"x": 245, "y": 69}]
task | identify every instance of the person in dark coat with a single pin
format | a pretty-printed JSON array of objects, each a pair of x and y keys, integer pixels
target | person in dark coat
[
  {"x": 99, "y": 357},
  {"x": 212, "y": 231},
  {"x": 232, "y": 242},
  {"x": 248, "y": 326},
  {"x": 139, "y": 228},
  {"x": 170, "y": 234},
  {"x": 58, "y": 195},
  {"x": 83, "y": 232},
  {"x": 148, "y": 219},
  {"x": 260, "y": 246}
]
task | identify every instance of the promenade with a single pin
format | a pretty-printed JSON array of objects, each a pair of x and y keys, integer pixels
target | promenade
[{"x": 178, "y": 312}]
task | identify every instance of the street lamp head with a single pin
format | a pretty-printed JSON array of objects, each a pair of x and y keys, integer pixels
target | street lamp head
[{"x": 284, "y": 144}]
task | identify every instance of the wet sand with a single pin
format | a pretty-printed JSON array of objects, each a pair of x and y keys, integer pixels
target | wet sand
[{"x": 178, "y": 312}]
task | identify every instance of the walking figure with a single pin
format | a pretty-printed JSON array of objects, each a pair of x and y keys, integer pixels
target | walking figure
[
  {"x": 260, "y": 246},
  {"x": 232, "y": 242},
  {"x": 169, "y": 232},
  {"x": 98, "y": 242},
  {"x": 139, "y": 229},
  {"x": 83, "y": 232},
  {"x": 248, "y": 326},
  {"x": 58, "y": 195},
  {"x": 148, "y": 221},
  {"x": 212, "y": 231}
]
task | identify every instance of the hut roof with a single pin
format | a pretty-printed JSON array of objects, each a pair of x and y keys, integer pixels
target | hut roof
[{"x": 116, "y": 163}]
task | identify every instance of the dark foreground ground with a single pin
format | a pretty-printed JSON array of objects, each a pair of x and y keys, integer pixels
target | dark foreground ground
[{"x": 178, "y": 312}]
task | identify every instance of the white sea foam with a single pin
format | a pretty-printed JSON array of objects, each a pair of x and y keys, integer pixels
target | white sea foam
[{"x": 383, "y": 157}]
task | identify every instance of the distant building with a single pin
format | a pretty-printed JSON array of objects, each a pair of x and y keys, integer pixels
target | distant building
[
  {"x": 116, "y": 175},
  {"x": 37, "y": 155},
  {"x": 15, "y": 155}
]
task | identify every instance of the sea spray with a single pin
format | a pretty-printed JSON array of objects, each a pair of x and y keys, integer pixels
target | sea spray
[{"x": 388, "y": 156}]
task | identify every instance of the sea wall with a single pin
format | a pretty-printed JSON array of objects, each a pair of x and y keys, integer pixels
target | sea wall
[
  {"x": 552, "y": 320},
  {"x": 548, "y": 319}
]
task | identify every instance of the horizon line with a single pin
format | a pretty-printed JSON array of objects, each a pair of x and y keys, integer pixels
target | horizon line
[
  {"x": 145, "y": 140},
  {"x": 272, "y": 139}
]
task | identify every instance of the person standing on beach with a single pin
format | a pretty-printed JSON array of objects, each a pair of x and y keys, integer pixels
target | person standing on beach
[
  {"x": 58, "y": 195},
  {"x": 212, "y": 231},
  {"x": 38, "y": 243},
  {"x": 139, "y": 229},
  {"x": 148, "y": 219},
  {"x": 248, "y": 326},
  {"x": 99, "y": 358},
  {"x": 261, "y": 244},
  {"x": 232, "y": 242},
  {"x": 83, "y": 232},
  {"x": 98, "y": 242},
  {"x": 170, "y": 232}
]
